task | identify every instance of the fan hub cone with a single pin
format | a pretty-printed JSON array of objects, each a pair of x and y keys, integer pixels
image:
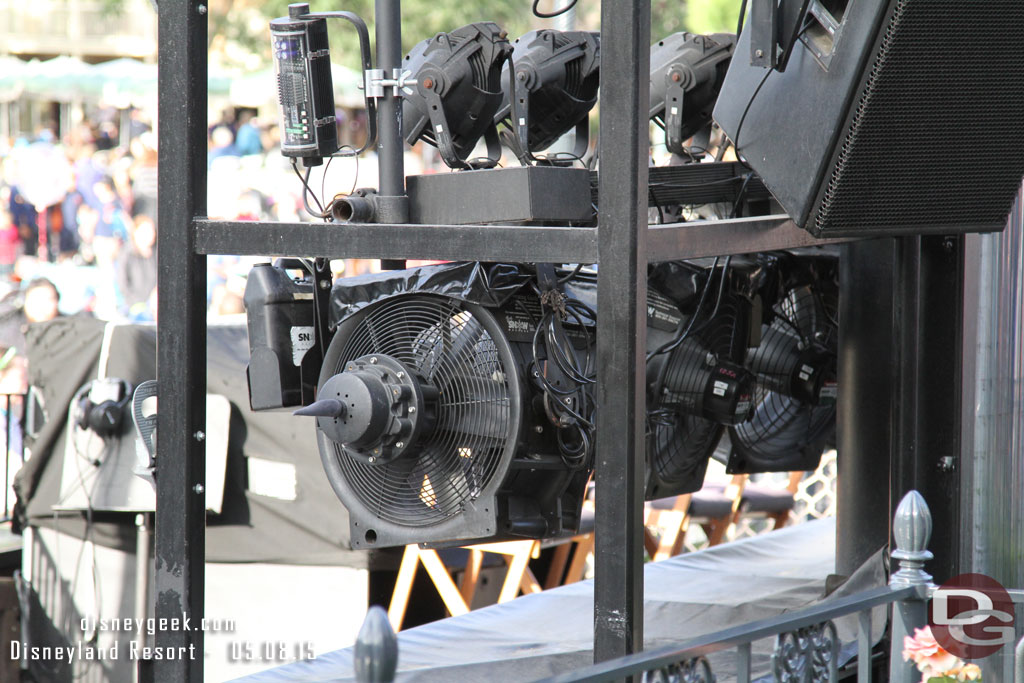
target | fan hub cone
[{"x": 384, "y": 408}]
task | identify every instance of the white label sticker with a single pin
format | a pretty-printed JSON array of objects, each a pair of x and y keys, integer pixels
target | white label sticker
[
  {"x": 719, "y": 388},
  {"x": 302, "y": 341},
  {"x": 829, "y": 391}
]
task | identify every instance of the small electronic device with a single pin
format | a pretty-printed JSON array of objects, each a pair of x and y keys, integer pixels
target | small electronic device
[{"x": 302, "y": 66}]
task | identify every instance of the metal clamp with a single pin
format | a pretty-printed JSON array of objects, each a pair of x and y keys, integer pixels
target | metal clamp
[{"x": 376, "y": 83}]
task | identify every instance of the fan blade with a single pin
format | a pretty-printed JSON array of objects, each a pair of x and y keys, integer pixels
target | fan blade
[{"x": 777, "y": 355}]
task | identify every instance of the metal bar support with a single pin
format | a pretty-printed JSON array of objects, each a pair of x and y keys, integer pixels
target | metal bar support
[
  {"x": 392, "y": 203},
  {"x": 180, "y": 528},
  {"x": 864, "y": 646},
  {"x": 621, "y": 340}
]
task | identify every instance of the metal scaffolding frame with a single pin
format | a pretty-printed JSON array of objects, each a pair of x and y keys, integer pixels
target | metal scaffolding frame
[{"x": 622, "y": 244}]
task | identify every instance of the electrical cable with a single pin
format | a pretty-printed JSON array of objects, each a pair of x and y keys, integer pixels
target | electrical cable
[
  {"x": 574, "y": 273},
  {"x": 743, "y": 15},
  {"x": 746, "y": 110},
  {"x": 568, "y": 401},
  {"x": 323, "y": 181},
  {"x": 552, "y": 15},
  {"x": 675, "y": 343},
  {"x": 307, "y": 192}
]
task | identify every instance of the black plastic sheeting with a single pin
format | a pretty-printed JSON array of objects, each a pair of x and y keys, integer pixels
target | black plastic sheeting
[
  {"x": 313, "y": 529},
  {"x": 486, "y": 284},
  {"x": 543, "y": 634}
]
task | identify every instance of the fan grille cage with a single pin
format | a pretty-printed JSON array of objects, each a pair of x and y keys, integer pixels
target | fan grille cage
[
  {"x": 780, "y": 424},
  {"x": 447, "y": 347},
  {"x": 682, "y": 443}
]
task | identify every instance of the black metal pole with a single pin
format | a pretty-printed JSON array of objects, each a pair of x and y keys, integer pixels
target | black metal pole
[
  {"x": 864, "y": 418},
  {"x": 900, "y": 380},
  {"x": 180, "y": 527},
  {"x": 928, "y": 296},
  {"x": 621, "y": 339},
  {"x": 392, "y": 204}
]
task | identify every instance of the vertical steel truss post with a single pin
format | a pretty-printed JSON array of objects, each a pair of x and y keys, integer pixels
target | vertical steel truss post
[
  {"x": 901, "y": 381},
  {"x": 180, "y": 528},
  {"x": 928, "y": 364},
  {"x": 621, "y": 339}
]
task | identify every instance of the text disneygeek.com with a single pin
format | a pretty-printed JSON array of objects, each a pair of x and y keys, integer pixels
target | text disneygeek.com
[{"x": 86, "y": 648}]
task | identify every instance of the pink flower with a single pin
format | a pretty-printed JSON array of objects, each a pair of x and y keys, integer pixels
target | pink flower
[{"x": 927, "y": 654}]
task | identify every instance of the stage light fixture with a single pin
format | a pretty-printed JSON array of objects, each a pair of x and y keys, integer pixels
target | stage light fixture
[
  {"x": 457, "y": 92},
  {"x": 687, "y": 71},
  {"x": 557, "y": 75}
]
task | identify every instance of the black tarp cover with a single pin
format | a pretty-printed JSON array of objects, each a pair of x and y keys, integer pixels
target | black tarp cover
[{"x": 313, "y": 529}]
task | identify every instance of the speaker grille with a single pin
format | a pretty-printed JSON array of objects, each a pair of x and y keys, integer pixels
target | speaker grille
[{"x": 936, "y": 142}]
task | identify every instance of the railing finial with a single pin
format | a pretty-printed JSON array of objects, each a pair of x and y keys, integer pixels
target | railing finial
[
  {"x": 376, "y": 651},
  {"x": 912, "y": 529}
]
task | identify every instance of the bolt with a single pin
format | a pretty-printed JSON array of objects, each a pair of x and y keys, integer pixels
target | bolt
[
  {"x": 428, "y": 83},
  {"x": 568, "y": 401},
  {"x": 198, "y": 488},
  {"x": 373, "y": 459},
  {"x": 948, "y": 244},
  {"x": 324, "y": 284},
  {"x": 394, "y": 392},
  {"x": 538, "y": 429},
  {"x": 200, "y": 436},
  {"x": 676, "y": 77},
  {"x": 201, "y": 9},
  {"x": 503, "y": 35},
  {"x": 400, "y": 444},
  {"x": 521, "y": 76},
  {"x": 373, "y": 360},
  {"x": 946, "y": 463},
  {"x": 412, "y": 409},
  {"x": 759, "y": 54},
  {"x": 400, "y": 375}
]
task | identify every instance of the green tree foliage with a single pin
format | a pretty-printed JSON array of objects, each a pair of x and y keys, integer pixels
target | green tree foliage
[
  {"x": 712, "y": 16},
  {"x": 244, "y": 22}
]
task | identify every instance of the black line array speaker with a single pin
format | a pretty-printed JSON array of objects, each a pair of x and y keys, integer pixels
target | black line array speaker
[{"x": 892, "y": 116}]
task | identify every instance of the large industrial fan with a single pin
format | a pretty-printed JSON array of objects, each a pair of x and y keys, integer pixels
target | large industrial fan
[
  {"x": 457, "y": 92},
  {"x": 794, "y": 413},
  {"x": 550, "y": 87},
  {"x": 696, "y": 381},
  {"x": 432, "y": 427}
]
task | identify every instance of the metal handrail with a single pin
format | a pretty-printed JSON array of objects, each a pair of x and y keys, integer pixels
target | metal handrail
[{"x": 743, "y": 634}]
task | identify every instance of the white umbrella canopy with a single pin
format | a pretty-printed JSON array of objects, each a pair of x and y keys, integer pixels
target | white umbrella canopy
[
  {"x": 126, "y": 81},
  {"x": 61, "y": 78}
]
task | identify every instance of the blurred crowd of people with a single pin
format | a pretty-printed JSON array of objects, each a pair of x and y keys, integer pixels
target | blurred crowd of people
[{"x": 79, "y": 220}]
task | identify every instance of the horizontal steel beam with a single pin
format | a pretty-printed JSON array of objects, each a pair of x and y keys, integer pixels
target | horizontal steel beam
[
  {"x": 366, "y": 240},
  {"x": 698, "y": 239}
]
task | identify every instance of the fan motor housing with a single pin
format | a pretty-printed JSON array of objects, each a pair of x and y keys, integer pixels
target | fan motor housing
[{"x": 476, "y": 458}]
